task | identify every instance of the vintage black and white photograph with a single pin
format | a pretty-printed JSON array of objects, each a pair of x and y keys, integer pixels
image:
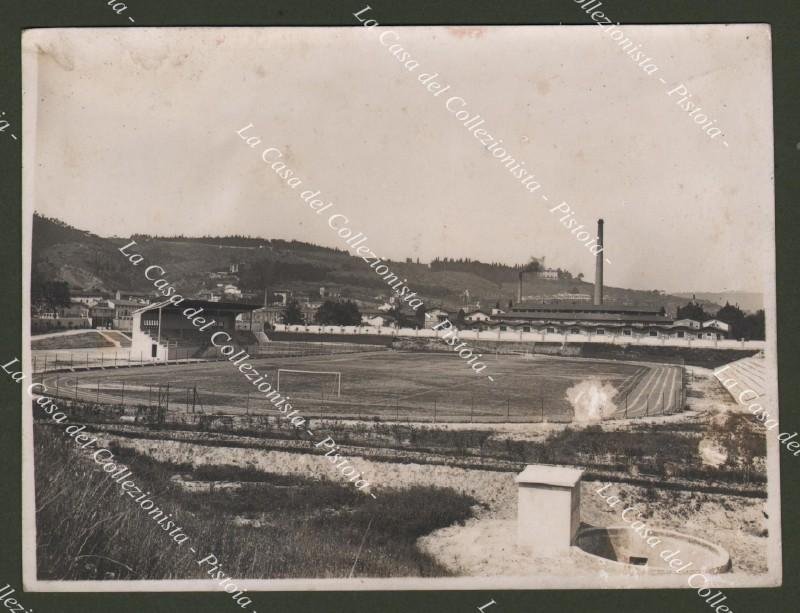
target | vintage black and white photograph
[{"x": 390, "y": 307}]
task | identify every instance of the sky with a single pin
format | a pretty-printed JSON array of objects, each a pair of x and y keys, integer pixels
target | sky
[{"x": 134, "y": 130}]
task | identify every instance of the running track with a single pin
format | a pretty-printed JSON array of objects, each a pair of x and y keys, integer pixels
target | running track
[{"x": 654, "y": 389}]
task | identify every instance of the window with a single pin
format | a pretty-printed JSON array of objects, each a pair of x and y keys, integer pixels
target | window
[
  {"x": 503, "y": 328},
  {"x": 681, "y": 335},
  {"x": 551, "y": 330},
  {"x": 600, "y": 331},
  {"x": 574, "y": 330},
  {"x": 627, "y": 333},
  {"x": 526, "y": 328},
  {"x": 653, "y": 332}
]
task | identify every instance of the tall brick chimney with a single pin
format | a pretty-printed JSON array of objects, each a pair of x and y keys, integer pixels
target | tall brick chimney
[{"x": 598, "y": 266}]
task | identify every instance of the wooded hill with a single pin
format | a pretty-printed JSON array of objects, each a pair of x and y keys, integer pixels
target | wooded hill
[{"x": 87, "y": 261}]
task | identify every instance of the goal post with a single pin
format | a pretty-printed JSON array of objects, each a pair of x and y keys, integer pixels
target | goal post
[{"x": 311, "y": 376}]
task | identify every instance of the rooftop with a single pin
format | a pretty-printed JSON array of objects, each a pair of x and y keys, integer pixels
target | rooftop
[
  {"x": 578, "y": 315},
  {"x": 585, "y": 308},
  {"x": 213, "y": 307},
  {"x": 542, "y": 474}
]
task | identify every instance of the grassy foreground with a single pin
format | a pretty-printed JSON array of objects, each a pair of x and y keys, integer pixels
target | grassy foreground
[{"x": 306, "y": 528}]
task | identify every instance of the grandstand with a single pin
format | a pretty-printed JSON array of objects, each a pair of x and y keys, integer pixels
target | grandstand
[
  {"x": 749, "y": 373},
  {"x": 162, "y": 331}
]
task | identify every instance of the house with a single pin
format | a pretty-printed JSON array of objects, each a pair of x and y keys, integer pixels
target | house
[
  {"x": 231, "y": 291},
  {"x": 74, "y": 310},
  {"x": 716, "y": 324},
  {"x": 687, "y": 323},
  {"x": 377, "y": 320},
  {"x": 139, "y": 297},
  {"x": 123, "y": 313},
  {"x": 435, "y": 316},
  {"x": 477, "y": 316},
  {"x": 309, "y": 310},
  {"x": 548, "y": 274},
  {"x": 208, "y": 295},
  {"x": 102, "y": 314},
  {"x": 715, "y": 329},
  {"x": 88, "y": 297},
  {"x": 256, "y": 320}
]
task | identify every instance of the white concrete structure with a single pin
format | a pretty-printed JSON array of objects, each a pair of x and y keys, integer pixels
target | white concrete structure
[
  {"x": 517, "y": 335},
  {"x": 548, "y": 508},
  {"x": 477, "y": 315},
  {"x": 717, "y": 324}
]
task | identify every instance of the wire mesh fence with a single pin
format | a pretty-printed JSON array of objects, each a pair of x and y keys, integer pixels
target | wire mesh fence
[
  {"x": 638, "y": 397},
  {"x": 71, "y": 360}
]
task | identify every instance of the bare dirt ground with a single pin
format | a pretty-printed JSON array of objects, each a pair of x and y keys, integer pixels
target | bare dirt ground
[{"x": 485, "y": 545}]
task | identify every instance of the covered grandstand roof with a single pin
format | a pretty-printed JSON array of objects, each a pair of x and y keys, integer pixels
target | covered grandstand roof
[
  {"x": 570, "y": 316},
  {"x": 578, "y": 307}
]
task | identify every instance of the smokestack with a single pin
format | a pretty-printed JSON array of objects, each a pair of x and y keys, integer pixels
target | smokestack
[
  {"x": 519, "y": 288},
  {"x": 598, "y": 266}
]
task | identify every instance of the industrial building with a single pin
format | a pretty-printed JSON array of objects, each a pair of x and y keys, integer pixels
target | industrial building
[{"x": 598, "y": 319}]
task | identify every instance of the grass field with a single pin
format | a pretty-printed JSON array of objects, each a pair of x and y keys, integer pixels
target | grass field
[
  {"x": 89, "y": 339},
  {"x": 390, "y": 385}
]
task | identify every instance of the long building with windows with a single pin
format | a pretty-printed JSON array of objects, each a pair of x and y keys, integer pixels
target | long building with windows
[{"x": 598, "y": 319}]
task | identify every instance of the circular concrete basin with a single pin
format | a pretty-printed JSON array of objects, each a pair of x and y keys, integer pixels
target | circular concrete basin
[{"x": 621, "y": 545}]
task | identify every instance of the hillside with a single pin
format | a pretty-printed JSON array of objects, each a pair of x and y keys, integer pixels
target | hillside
[
  {"x": 87, "y": 261},
  {"x": 747, "y": 301}
]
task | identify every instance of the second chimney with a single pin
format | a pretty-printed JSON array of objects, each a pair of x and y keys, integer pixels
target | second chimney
[{"x": 598, "y": 267}]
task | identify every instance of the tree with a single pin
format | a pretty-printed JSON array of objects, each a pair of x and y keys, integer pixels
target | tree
[
  {"x": 51, "y": 293},
  {"x": 753, "y": 326},
  {"x": 420, "y": 316},
  {"x": 338, "y": 313},
  {"x": 580, "y": 276},
  {"x": 748, "y": 327},
  {"x": 292, "y": 314},
  {"x": 460, "y": 318},
  {"x": 693, "y": 311}
]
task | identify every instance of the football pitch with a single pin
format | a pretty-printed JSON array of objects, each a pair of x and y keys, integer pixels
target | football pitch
[{"x": 389, "y": 385}]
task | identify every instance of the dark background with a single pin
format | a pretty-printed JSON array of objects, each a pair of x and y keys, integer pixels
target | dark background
[{"x": 16, "y": 15}]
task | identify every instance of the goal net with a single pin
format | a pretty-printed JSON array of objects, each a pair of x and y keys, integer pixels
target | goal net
[{"x": 309, "y": 383}]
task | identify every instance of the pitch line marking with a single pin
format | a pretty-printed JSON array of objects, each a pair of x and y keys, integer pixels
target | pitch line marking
[
  {"x": 659, "y": 384},
  {"x": 643, "y": 384}
]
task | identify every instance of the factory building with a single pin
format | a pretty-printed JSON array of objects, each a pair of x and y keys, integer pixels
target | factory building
[{"x": 598, "y": 319}]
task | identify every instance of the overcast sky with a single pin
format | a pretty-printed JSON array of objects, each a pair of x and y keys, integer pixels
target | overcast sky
[{"x": 136, "y": 132}]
